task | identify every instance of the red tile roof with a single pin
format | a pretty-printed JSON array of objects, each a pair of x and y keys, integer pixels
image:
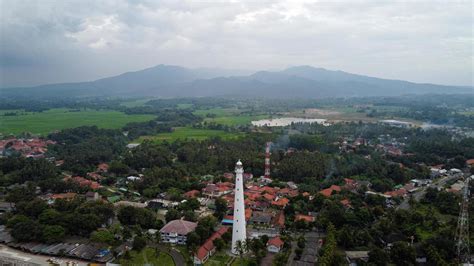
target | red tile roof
[
  {"x": 268, "y": 189},
  {"x": 268, "y": 197},
  {"x": 69, "y": 195},
  {"x": 346, "y": 202},
  {"x": 191, "y": 194},
  {"x": 208, "y": 246},
  {"x": 349, "y": 181},
  {"x": 470, "y": 162},
  {"x": 305, "y": 218},
  {"x": 248, "y": 214},
  {"x": 280, "y": 219},
  {"x": 328, "y": 191},
  {"x": 202, "y": 253},
  {"x": 281, "y": 202},
  {"x": 103, "y": 167},
  {"x": 276, "y": 241}
]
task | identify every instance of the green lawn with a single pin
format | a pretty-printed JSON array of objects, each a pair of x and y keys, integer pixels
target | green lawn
[
  {"x": 220, "y": 258},
  {"x": 240, "y": 262},
  {"x": 228, "y": 116},
  {"x": 148, "y": 257},
  {"x": 190, "y": 133},
  {"x": 56, "y": 119}
]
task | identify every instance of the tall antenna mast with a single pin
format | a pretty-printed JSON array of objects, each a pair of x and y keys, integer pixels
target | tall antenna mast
[
  {"x": 462, "y": 230},
  {"x": 267, "y": 160}
]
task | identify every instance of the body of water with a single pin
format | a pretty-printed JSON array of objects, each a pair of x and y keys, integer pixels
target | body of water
[{"x": 286, "y": 121}]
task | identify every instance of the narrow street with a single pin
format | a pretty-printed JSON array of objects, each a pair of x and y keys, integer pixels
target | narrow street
[
  {"x": 175, "y": 254},
  {"x": 419, "y": 194}
]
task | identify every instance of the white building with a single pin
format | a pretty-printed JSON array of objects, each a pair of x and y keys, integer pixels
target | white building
[
  {"x": 239, "y": 232},
  {"x": 275, "y": 244},
  {"x": 176, "y": 231}
]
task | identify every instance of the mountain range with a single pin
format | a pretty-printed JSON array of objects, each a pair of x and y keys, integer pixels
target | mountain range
[{"x": 176, "y": 81}]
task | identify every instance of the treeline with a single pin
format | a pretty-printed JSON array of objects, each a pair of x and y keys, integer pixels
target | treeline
[
  {"x": 37, "y": 221},
  {"x": 44, "y": 104},
  {"x": 83, "y": 148}
]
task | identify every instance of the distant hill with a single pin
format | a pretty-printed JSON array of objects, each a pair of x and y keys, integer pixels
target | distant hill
[{"x": 175, "y": 81}]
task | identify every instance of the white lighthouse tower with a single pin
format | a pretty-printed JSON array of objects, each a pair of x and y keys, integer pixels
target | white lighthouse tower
[{"x": 239, "y": 232}]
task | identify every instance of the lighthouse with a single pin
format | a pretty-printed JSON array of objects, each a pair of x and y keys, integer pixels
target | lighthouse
[{"x": 239, "y": 232}]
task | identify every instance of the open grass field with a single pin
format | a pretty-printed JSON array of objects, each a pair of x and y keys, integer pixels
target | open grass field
[
  {"x": 347, "y": 114},
  {"x": 190, "y": 133},
  {"x": 56, "y": 119},
  {"x": 220, "y": 258},
  {"x": 241, "y": 262},
  {"x": 228, "y": 117},
  {"x": 148, "y": 257}
]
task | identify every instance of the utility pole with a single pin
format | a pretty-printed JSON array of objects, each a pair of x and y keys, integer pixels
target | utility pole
[{"x": 462, "y": 230}]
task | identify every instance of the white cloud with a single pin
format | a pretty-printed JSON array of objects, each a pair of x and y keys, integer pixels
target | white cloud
[{"x": 98, "y": 32}]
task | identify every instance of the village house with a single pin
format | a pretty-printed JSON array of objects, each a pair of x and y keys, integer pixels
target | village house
[
  {"x": 176, "y": 231},
  {"x": 192, "y": 194},
  {"x": 31, "y": 148},
  {"x": 92, "y": 196},
  {"x": 279, "y": 220},
  {"x": 280, "y": 202},
  {"x": 275, "y": 244},
  {"x": 470, "y": 162},
  {"x": 217, "y": 190},
  {"x": 306, "y": 218},
  {"x": 330, "y": 190},
  {"x": 354, "y": 257},
  {"x": 346, "y": 203},
  {"x": 95, "y": 176},
  {"x": 208, "y": 249},
  {"x": 261, "y": 218},
  {"x": 51, "y": 198},
  {"x": 83, "y": 182},
  {"x": 103, "y": 168}
]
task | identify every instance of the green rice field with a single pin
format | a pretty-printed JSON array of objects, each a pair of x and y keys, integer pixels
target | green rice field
[
  {"x": 57, "y": 119},
  {"x": 182, "y": 133},
  {"x": 228, "y": 117}
]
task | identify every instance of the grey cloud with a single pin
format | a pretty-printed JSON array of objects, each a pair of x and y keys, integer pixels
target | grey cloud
[{"x": 58, "y": 41}]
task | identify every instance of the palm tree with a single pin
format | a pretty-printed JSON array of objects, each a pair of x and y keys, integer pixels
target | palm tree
[{"x": 241, "y": 247}]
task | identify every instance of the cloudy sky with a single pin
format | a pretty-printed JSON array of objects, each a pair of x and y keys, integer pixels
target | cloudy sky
[{"x": 57, "y": 41}]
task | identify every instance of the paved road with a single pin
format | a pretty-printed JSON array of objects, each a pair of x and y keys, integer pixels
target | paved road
[
  {"x": 268, "y": 259},
  {"x": 175, "y": 254},
  {"x": 420, "y": 193},
  {"x": 11, "y": 256},
  {"x": 310, "y": 252}
]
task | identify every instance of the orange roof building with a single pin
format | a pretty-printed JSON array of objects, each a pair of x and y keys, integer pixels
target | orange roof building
[
  {"x": 282, "y": 202},
  {"x": 346, "y": 203},
  {"x": 208, "y": 249},
  {"x": 275, "y": 244},
  {"x": 192, "y": 194},
  {"x": 328, "y": 191},
  {"x": 306, "y": 218}
]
